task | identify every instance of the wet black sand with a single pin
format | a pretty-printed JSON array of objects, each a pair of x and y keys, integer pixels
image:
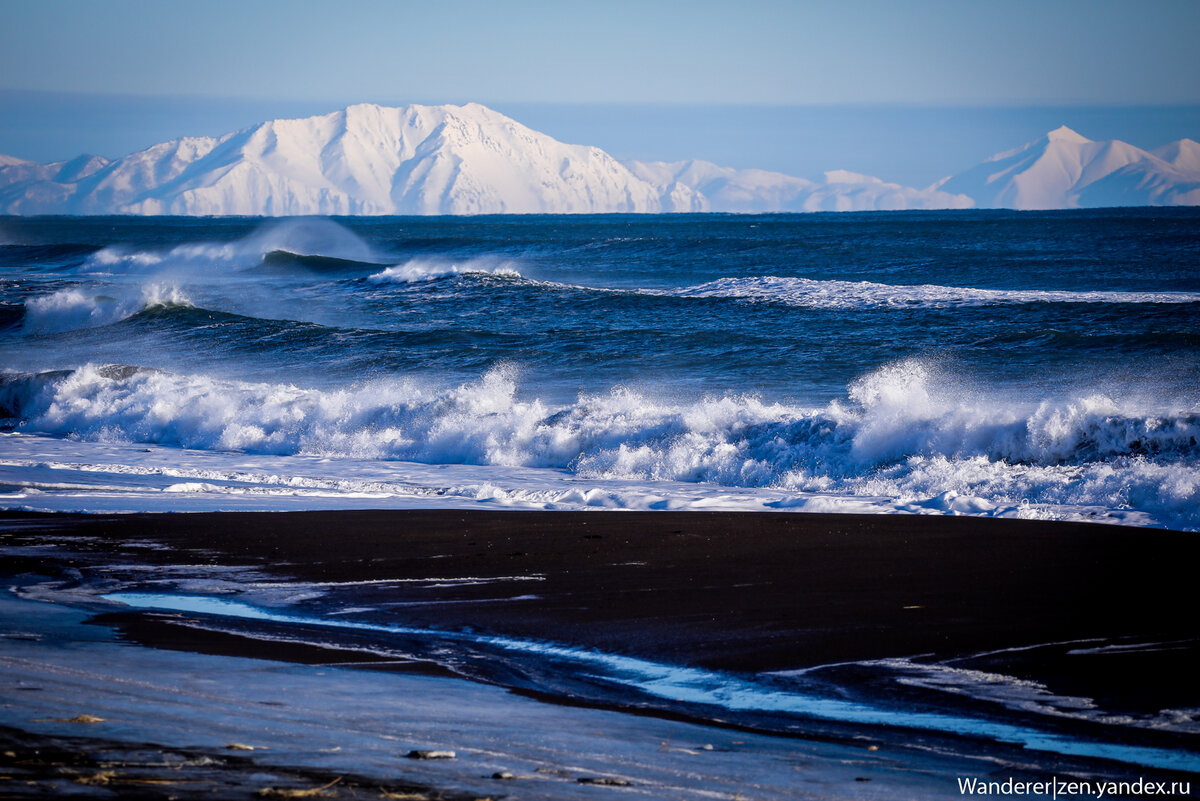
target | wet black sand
[
  {"x": 725, "y": 590},
  {"x": 740, "y": 592}
]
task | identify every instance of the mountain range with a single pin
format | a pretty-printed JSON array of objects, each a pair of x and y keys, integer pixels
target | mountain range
[{"x": 369, "y": 160}]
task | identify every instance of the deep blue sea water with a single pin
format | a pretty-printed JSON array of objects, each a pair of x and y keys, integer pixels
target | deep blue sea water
[{"x": 984, "y": 362}]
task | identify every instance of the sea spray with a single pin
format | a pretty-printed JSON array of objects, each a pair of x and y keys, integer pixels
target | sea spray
[
  {"x": 958, "y": 363},
  {"x": 304, "y": 237},
  {"x": 415, "y": 270},
  {"x": 894, "y": 433},
  {"x": 71, "y": 309}
]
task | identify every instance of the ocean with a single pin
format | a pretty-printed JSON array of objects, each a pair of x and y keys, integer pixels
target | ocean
[{"x": 1033, "y": 365}]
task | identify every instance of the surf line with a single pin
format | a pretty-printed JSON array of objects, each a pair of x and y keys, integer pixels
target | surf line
[{"x": 698, "y": 686}]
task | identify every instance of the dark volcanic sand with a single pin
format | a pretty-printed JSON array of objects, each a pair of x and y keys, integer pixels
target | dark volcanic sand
[
  {"x": 732, "y": 591},
  {"x": 738, "y": 591}
]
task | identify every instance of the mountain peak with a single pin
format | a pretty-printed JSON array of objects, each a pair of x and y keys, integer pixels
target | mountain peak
[
  {"x": 470, "y": 159},
  {"x": 1183, "y": 154},
  {"x": 1064, "y": 134}
]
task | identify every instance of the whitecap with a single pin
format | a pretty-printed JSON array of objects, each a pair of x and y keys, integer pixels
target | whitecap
[
  {"x": 418, "y": 270},
  {"x": 905, "y": 432},
  {"x": 73, "y": 309},
  {"x": 828, "y": 294}
]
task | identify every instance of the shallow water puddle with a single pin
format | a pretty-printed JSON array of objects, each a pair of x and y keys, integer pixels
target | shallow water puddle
[{"x": 697, "y": 686}]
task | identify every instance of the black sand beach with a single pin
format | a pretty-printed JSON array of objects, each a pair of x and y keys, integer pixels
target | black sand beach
[
  {"x": 723, "y": 590},
  {"x": 1097, "y": 612}
]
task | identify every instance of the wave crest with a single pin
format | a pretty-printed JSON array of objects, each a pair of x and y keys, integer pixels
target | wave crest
[
  {"x": 303, "y": 237},
  {"x": 903, "y": 432},
  {"x": 73, "y": 309},
  {"x": 828, "y": 294},
  {"x": 419, "y": 270}
]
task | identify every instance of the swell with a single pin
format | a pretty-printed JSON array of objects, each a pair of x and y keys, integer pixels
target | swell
[
  {"x": 797, "y": 292},
  {"x": 322, "y": 249},
  {"x": 322, "y": 241},
  {"x": 286, "y": 262},
  {"x": 51, "y": 256}
]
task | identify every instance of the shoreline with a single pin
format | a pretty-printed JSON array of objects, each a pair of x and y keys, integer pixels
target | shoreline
[
  {"x": 725, "y": 590},
  {"x": 1080, "y": 610}
]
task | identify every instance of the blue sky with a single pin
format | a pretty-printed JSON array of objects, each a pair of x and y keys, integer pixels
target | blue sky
[{"x": 126, "y": 66}]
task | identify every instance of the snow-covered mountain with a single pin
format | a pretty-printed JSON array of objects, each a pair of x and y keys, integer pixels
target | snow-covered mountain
[
  {"x": 365, "y": 159},
  {"x": 369, "y": 159},
  {"x": 704, "y": 186},
  {"x": 1182, "y": 155},
  {"x": 1064, "y": 170}
]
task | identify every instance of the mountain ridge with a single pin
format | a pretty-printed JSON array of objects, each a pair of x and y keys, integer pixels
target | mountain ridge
[
  {"x": 1064, "y": 169},
  {"x": 368, "y": 159}
]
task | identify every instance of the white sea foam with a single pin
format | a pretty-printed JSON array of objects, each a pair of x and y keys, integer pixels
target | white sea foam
[
  {"x": 900, "y": 434},
  {"x": 1028, "y": 696},
  {"x": 418, "y": 270},
  {"x": 798, "y": 292},
  {"x": 822, "y": 294},
  {"x": 72, "y": 309}
]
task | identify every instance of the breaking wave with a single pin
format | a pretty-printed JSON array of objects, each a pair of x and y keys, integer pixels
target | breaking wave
[
  {"x": 302, "y": 238},
  {"x": 868, "y": 295},
  {"x": 901, "y": 432},
  {"x": 418, "y": 270},
  {"x": 73, "y": 309}
]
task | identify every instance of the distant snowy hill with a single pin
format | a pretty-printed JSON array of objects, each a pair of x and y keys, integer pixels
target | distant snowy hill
[
  {"x": 369, "y": 159},
  {"x": 704, "y": 186},
  {"x": 1064, "y": 170},
  {"x": 1182, "y": 155},
  {"x": 362, "y": 160}
]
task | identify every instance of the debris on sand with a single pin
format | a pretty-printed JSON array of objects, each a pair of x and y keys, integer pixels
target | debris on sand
[
  {"x": 97, "y": 779},
  {"x": 607, "y": 781},
  {"x": 84, "y": 718},
  {"x": 283, "y": 792},
  {"x": 426, "y": 754}
]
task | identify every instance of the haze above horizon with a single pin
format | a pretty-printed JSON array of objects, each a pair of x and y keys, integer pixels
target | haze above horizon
[
  {"x": 759, "y": 51},
  {"x": 908, "y": 91}
]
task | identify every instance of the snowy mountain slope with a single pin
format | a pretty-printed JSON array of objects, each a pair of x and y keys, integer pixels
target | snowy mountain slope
[
  {"x": 1063, "y": 170},
  {"x": 704, "y": 186},
  {"x": 362, "y": 160},
  {"x": 696, "y": 185},
  {"x": 416, "y": 160},
  {"x": 13, "y": 170},
  {"x": 1182, "y": 155},
  {"x": 44, "y": 188},
  {"x": 369, "y": 159},
  {"x": 850, "y": 191}
]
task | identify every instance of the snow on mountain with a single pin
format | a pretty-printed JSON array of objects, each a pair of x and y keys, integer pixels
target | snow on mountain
[
  {"x": 1182, "y": 155},
  {"x": 704, "y": 186},
  {"x": 369, "y": 159},
  {"x": 365, "y": 159},
  {"x": 1064, "y": 170},
  {"x": 850, "y": 191},
  {"x": 43, "y": 188}
]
